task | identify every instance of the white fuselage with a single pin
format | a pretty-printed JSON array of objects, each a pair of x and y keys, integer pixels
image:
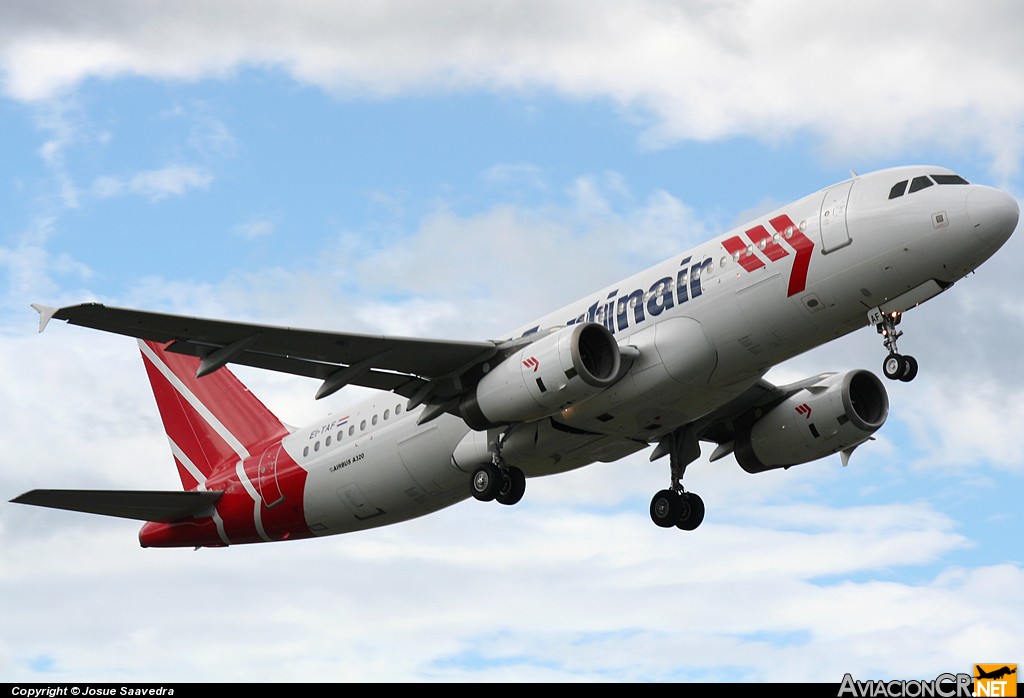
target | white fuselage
[{"x": 707, "y": 323}]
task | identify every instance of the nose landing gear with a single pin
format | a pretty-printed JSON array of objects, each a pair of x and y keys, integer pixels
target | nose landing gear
[{"x": 896, "y": 366}]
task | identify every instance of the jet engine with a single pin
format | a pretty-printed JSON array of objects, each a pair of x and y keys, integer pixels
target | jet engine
[
  {"x": 560, "y": 369},
  {"x": 836, "y": 414}
]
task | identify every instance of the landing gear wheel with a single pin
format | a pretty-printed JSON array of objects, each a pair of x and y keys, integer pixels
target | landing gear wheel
[
  {"x": 666, "y": 507},
  {"x": 896, "y": 366},
  {"x": 893, "y": 367},
  {"x": 513, "y": 487},
  {"x": 486, "y": 482},
  {"x": 899, "y": 367},
  {"x": 910, "y": 369},
  {"x": 692, "y": 513}
]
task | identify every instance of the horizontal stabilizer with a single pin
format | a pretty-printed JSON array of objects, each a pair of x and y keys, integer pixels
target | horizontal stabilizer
[{"x": 162, "y": 507}]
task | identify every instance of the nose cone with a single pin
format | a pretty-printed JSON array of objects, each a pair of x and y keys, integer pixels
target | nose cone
[{"x": 993, "y": 214}]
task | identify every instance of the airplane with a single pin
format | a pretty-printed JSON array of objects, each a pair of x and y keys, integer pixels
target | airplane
[
  {"x": 671, "y": 357},
  {"x": 995, "y": 674}
]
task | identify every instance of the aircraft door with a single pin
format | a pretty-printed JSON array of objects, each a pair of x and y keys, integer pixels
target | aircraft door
[
  {"x": 270, "y": 489},
  {"x": 834, "y": 233}
]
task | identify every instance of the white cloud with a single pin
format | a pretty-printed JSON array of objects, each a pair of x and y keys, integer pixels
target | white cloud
[
  {"x": 173, "y": 180},
  {"x": 32, "y": 271},
  {"x": 933, "y": 74},
  {"x": 482, "y": 592},
  {"x": 60, "y": 119},
  {"x": 256, "y": 228}
]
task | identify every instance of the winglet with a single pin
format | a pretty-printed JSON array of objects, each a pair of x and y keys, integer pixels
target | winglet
[{"x": 46, "y": 313}]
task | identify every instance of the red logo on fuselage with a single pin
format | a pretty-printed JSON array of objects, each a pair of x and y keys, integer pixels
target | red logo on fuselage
[{"x": 761, "y": 240}]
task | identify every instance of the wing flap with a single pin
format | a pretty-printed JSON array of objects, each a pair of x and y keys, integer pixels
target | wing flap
[
  {"x": 302, "y": 352},
  {"x": 141, "y": 505},
  {"x": 401, "y": 383}
]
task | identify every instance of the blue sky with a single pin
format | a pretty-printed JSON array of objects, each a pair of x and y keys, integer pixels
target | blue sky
[{"x": 455, "y": 170}]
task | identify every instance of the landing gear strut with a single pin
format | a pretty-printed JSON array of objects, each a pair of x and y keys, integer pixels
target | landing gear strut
[
  {"x": 497, "y": 480},
  {"x": 896, "y": 366},
  {"x": 675, "y": 506}
]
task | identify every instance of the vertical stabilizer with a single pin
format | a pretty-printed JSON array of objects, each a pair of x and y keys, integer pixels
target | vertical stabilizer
[{"x": 210, "y": 421}]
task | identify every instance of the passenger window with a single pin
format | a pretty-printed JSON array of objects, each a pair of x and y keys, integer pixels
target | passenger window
[
  {"x": 398, "y": 409},
  {"x": 899, "y": 189},
  {"x": 362, "y": 425},
  {"x": 316, "y": 446},
  {"x": 305, "y": 452},
  {"x": 328, "y": 441},
  {"x": 386, "y": 413},
  {"x": 374, "y": 420},
  {"x": 920, "y": 183},
  {"x": 352, "y": 430}
]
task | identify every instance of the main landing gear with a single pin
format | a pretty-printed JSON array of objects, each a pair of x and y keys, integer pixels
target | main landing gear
[
  {"x": 684, "y": 510},
  {"x": 896, "y": 366},
  {"x": 498, "y": 481},
  {"x": 675, "y": 506}
]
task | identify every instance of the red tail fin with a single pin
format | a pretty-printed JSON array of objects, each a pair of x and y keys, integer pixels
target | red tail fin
[{"x": 210, "y": 421}]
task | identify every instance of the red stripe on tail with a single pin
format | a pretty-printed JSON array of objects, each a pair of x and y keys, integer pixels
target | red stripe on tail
[{"x": 213, "y": 420}]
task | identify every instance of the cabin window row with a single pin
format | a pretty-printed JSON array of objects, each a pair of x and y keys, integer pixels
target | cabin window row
[{"x": 337, "y": 437}]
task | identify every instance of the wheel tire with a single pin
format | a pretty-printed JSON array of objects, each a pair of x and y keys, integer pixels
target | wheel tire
[
  {"x": 513, "y": 487},
  {"x": 665, "y": 508},
  {"x": 486, "y": 482},
  {"x": 692, "y": 514},
  {"x": 894, "y": 366},
  {"x": 910, "y": 369}
]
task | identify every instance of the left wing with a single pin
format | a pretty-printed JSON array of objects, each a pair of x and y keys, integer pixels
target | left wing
[
  {"x": 423, "y": 370},
  {"x": 139, "y": 505}
]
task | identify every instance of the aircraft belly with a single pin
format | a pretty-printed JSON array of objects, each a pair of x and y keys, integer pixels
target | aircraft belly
[
  {"x": 544, "y": 448},
  {"x": 389, "y": 476},
  {"x": 772, "y": 322}
]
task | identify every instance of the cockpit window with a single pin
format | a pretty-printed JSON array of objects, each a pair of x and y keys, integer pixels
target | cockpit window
[
  {"x": 920, "y": 183},
  {"x": 949, "y": 179}
]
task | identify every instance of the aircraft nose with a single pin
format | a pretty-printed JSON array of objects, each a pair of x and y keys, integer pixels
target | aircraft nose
[{"x": 993, "y": 213}]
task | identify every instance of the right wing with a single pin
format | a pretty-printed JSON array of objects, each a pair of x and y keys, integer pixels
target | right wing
[
  {"x": 423, "y": 370},
  {"x": 722, "y": 425}
]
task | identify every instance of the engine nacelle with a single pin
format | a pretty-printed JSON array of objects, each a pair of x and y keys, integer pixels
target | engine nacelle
[
  {"x": 838, "y": 413},
  {"x": 545, "y": 377}
]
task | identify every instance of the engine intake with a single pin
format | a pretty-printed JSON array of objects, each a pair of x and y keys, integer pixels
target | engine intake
[
  {"x": 560, "y": 369},
  {"x": 839, "y": 413}
]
